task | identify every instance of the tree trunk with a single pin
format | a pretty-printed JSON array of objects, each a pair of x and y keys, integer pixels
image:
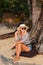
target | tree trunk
[{"x": 36, "y": 33}]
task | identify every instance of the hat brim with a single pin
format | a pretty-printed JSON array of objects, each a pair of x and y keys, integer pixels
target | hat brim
[{"x": 23, "y": 27}]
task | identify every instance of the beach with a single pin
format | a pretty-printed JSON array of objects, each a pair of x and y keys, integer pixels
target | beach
[{"x": 5, "y": 50}]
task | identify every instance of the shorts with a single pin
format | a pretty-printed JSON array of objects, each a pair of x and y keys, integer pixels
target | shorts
[{"x": 30, "y": 46}]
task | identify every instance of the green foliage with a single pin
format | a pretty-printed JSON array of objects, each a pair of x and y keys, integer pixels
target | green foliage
[{"x": 14, "y": 6}]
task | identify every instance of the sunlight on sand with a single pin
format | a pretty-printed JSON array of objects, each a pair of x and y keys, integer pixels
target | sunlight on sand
[{"x": 5, "y": 49}]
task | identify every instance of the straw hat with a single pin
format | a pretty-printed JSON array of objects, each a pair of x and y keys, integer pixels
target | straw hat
[{"x": 22, "y": 26}]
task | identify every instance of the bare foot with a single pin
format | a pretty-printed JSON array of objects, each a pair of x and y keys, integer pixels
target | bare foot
[{"x": 16, "y": 60}]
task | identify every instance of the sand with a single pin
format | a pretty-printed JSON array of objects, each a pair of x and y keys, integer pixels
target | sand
[{"x": 5, "y": 49}]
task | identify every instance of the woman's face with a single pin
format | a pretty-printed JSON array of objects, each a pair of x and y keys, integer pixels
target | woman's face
[{"x": 23, "y": 29}]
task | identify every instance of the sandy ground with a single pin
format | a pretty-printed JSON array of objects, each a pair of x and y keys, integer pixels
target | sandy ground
[
  {"x": 4, "y": 29},
  {"x": 5, "y": 49}
]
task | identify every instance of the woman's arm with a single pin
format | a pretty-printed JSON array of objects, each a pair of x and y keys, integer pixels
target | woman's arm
[{"x": 13, "y": 45}]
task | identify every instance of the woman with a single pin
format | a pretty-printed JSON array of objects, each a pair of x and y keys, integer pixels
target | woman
[{"x": 22, "y": 41}]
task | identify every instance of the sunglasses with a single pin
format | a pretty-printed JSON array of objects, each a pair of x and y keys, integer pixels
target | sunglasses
[{"x": 23, "y": 28}]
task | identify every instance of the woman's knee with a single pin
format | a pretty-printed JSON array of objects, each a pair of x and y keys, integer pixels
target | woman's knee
[
  {"x": 25, "y": 48},
  {"x": 18, "y": 44}
]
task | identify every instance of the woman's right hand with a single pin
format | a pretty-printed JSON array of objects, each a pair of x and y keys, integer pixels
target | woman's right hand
[{"x": 12, "y": 46}]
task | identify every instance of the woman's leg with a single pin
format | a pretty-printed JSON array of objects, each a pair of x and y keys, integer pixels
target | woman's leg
[
  {"x": 25, "y": 48},
  {"x": 18, "y": 50},
  {"x": 20, "y": 47}
]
